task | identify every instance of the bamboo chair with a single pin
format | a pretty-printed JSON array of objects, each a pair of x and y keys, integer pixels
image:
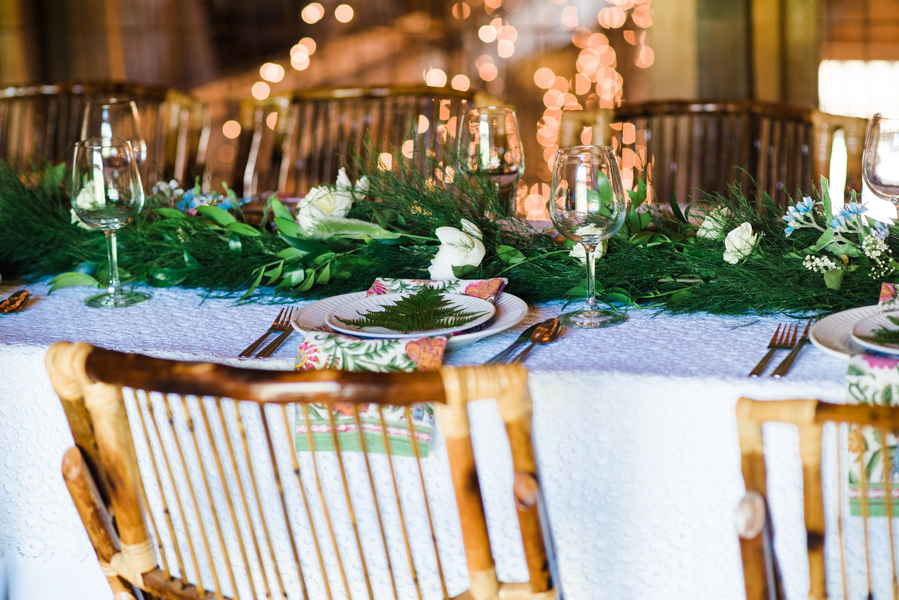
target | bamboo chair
[
  {"x": 694, "y": 146},
  {"x": 759, "y": 564},
  {"x": 110, "y": 476},
  {"x": 325, "y": 129},
  {"x": 44, "y": 121}
]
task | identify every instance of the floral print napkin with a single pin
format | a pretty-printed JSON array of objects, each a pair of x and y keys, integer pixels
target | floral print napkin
[
  {"x": 485, "y": 289},
  {"x": 324, "y": 350},
  {"x": 872, "y": 379}
]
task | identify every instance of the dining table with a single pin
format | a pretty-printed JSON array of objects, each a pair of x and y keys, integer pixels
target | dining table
[{"x": 634, "y": 429}]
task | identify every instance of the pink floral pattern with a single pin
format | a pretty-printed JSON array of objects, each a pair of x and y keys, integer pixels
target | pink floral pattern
[
  {"x": 880, "y": 362},
  {"x": 307, "y": 358},
  {"x": 426, "y": 353}
]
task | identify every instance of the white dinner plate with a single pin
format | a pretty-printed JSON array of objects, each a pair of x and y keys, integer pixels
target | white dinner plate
[
  {"x": 510, "y": 311},
  {"x": 865, "y": 329},
  {"x": 370, "y": 304},
  {"x": 833, "y": 334}
]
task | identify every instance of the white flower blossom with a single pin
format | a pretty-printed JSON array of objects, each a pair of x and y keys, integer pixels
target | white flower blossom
[
  {"x": 739, "y": 243},
  {"x": 457, "y": 248},
  {"x": 580, "y": 253},
  {"x": 712, "y": 227},
  {"x": 324, "y": 202},
  {"x": 819, "y": 264},
  {"x": 87, "y": 198}
]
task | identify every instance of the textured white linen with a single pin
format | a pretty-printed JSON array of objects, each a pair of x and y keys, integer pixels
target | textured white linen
[{"x": 634, "y": 427}]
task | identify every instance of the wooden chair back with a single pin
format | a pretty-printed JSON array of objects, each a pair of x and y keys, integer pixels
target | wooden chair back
[
  {"x": 174, "y": 445},
  {"x": 854, "y": 423},
  {"x": 44, "y": 121},
  {"x": 326, "y": 129},
  {"x": 693, "y": 148}
]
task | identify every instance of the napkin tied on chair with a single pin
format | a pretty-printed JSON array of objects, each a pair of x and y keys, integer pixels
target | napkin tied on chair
[{"x": 871, "y": 379}]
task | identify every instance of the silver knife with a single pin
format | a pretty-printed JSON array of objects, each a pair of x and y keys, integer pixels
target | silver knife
[{"x": 505, "y": 354}]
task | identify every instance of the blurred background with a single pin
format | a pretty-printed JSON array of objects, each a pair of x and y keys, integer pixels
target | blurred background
[{"x": 539, "y": 56}]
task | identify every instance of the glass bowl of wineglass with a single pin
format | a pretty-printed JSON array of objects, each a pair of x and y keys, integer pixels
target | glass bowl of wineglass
[
  {"x": 490, "y": 145},
  {"x": 111, "y": 118},
  {"x": 881, "y": 160},
  {"x": 107, "y": 195},
  {"x": 588, "y": 205}
]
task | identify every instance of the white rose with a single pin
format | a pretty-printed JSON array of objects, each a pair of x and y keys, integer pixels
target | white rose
[
  {"x": 324, "y": 202},
  {"x": 87, "y": 198},
  {"x": 739, "y": 243},
  {"x": 713, "y": 226},
  {"x": 457, "y": 248},
  {"x": 579, "y": 252}
]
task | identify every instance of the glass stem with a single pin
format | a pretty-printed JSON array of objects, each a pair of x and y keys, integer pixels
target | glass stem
[
  {"x": 591, "y": 283},
  {"x": 114, "y": 285}
]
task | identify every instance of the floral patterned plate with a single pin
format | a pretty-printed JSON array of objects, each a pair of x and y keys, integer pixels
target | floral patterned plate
[
  {"x": 353, "y": 310},
  {"x": 510, "y": 311}
]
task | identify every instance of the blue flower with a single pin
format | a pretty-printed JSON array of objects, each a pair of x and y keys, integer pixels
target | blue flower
[
  {"x": 838, "y": 222},
  {"x": 805, "y": 205},
  {"x": 853, "y": 209},
  {"x": 789, "y": 230}
]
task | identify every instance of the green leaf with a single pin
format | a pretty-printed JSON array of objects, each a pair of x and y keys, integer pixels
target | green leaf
[
  {"x": 308, "y": 283},
  {"x": 604, "y": 187},
  {"x": 325, "y": 275},
  {"x": 872, "y": 463},
  {"x": 825, "y": 239},
  {"x": 243, "y": 229},
  {"x": 577, "y": 292},
  {"x": 846, "y": 248},
  {"x": 638, "y": 196},
  {"x": 190, "y": 261},
  {"x": 234, "y": 245},
  {"x": 164, "y": 277},
  {"x": 825, "y": 200},
  {"x": 461, "y": 272},
  {"x": 768, "y": 204},
  {"x": 254, "y": 285},
  {"x": 219, "y": 215},
  {"x": 834, "y": 279},
  {"x": 274, "y": 274},
  {"x": 304, "y": 245},
  {"x": 53, "y": 177},
  {"x": 886, "y": 397},
  {"x": 279, "y": 210},
  {"x": 171, "y": 213},
  {"x": 675, "y": 208},
  {"x": 511, "y": 255},
  {"x": 289, "y": 227},
  {"x": 72, "y": 279},
  {"x": 293, "y": 278},
  {"x": 289, "y": 253},
  {"x": 616, "y": 297}
]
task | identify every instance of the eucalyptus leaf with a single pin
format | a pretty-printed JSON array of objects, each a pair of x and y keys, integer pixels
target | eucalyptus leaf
[
  {"x": 325, "y": 275},
  {"x": 190, "y": 261},
  {"x": 254, "y": 285},
  {"x": 289, "y": 253},
  {"x": 305, "y": 245},
  {"x": 463, "y": 271},
  {"x": 243, "y": 229},
  {"x": 170, "y": 213},
  {"x": 289, "y": 227},
  {"x": 510, "y": 255},
  {"x": 275, "y": 273},
  {"x": 279, "y": 210},
  {"x": 834, "y": 279},
  {"x": 217, "y": 214},
  {"x": 307, "y": 283},
  {"x": 72, "y": 279},
  {"x": 825, "y": 239},
  {"x": 164, "y": 277},
  {"x": 825, "y": 200},
  {"x": 638, "y": 196}
]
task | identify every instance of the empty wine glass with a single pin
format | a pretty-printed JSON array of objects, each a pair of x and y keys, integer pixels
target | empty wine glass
[
  {"x": 490, "y": 144},
  {"x": 107, "y": 194},
  {"x": 107, "y": 119},
  {"x": 882, "y": 156},
  {"x": 588, "y": 205}
]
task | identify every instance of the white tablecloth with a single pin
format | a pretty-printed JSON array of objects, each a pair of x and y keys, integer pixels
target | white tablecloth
[{"x": 634, "y": 427}]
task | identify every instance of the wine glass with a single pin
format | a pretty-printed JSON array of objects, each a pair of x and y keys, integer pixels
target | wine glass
[
  {"x": 588, "y": 205},
  {"x": 489, "y": 144},
  {"x": 881, "y": 160},
  {"x": 107, "y": 194},
  {"x": 107, "y": 119}
]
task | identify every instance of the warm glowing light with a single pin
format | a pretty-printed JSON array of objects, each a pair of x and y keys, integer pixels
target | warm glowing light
[
  {"x": 630, "y": 36},
  {"x": 642, "y": 16},
  {"x": 488, "y": 71},
  {"x": 507, "y": 33},
  {"x": 231, "y": 129},
  {"x": 560, "y": 84},
  {"x": 260, "y": 90},
  {"x": 544, "y": 77},
  {"x": 581, "y": 84},
  {"x": 385, "y": 161},
  {"x": 271, "y": 120},
  {"x": 299, "y": 61},
  {"x": 612, "y": 17},
  {"x": 497, "y": 23},
  {"x": 461, "y": 83},
  {"x": 623, "y": 4},
  {"x": 444, "y": 109},
  {"x": 461, "y": 10},
  {"x": 225, "y": 153},
  {"x": 645, "y": 57},
  {"x": 408, "y": 148},
  {"x": 580, "y": 37},
  {"x": 423, "y": 123},
  {"x": 344, "y": 13},
  {"x": 482, "y": 60},
  {"x": 597, "y": 41},
  {"x": 628, "y": 133},
  {"x": 493, "y": 4},
  {"x": 435, "y": 78},
  {"x": 560, "y": 1},
  {"x": 496, "y": 86},
  {"x": 487, "y": 33},
  {"x": 587, "y": 136},
  {"x": 505, "y": 49},
  {"x": 313, "y": 13},
  {"x": 309, "y": 44},
  {"x": 271, "y": 72},
  {"x": 569, "y": 17},
  {"x": 451, "y": 125}
]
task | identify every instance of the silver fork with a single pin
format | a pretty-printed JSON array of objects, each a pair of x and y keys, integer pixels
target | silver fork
[
  {"x": 281, "y": 321},
  {"x": 286, "y": 330},
  {"x": 780, "y": 341}
]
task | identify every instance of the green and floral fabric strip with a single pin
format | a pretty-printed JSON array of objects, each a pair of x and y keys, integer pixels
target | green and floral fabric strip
[
  {"x": 324, "y": 350},
  {"x": 485, "y": 289},
  {"x": 871, "y": 379}
]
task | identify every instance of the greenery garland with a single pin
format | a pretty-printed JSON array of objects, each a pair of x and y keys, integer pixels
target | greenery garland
[{"x": 659, "y": 259}]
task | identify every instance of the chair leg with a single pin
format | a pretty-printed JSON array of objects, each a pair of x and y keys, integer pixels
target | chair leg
[{"x": 96, "y": 519}]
